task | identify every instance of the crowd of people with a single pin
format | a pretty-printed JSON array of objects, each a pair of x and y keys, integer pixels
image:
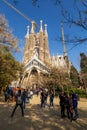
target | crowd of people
[
  {"x": 44, "y": 96},
  {"x": 8, "y": 94},
  {"x": 69, "y": 105},
  {"x": 68, "y": 102},
  {"x": 21, "y": 98},
  {"x": 11, "y": 92}
]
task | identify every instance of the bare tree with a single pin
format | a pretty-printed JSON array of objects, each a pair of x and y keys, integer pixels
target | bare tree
[
  {"x": 77, "y": 17},
  {"x": 6, "y": 36}
]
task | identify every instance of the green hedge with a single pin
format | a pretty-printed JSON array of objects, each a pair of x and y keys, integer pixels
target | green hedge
[{"x": 80, "y": 92}]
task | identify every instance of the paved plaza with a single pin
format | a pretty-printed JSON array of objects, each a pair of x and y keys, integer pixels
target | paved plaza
[{"x": 37, "y": 118}]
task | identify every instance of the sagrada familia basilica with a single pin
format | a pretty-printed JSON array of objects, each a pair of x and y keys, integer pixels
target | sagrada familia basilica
[{"x": 37, "y": 59}]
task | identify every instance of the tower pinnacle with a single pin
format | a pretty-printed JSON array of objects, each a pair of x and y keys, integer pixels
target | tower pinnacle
[
  {"x": 33, "y": 26},
  {"x": 27, "y": 35},
  {"x": 41, "y": 29},
  {"x": 46, "y": 30}
]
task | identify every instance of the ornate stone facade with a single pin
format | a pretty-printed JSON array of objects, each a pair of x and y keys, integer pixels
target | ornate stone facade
[
  {"x": 36, "y": 55},
  {"x": 36, "y": 45},
  {"x": 62, "y": 62},
  {"x": 37, "y": 58}
]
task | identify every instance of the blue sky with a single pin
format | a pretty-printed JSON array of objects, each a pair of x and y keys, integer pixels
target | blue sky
[{"x": 51, "y": 15}]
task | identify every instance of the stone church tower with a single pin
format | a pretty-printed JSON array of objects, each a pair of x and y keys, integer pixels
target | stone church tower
[
  {"x": 36, "y": 45},
  {"x": 36, "y": 55},
  {"x": 37, "y": 58}
]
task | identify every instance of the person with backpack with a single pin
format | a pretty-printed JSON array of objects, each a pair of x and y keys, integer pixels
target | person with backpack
[
  {"x": 62, "y": 104},
  {"x": 75, "y": 104},
  {"x": 24, "y": 96},
  {"x": 19, "y": 102},
  {"x": 51, "y": 98},
  {"x": 71, "y": 109},
  {"x": 42, "y": 99}
]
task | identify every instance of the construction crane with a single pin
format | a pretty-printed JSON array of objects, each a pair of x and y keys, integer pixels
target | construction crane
[
  {"x": 63, "y": 39},
  {"x": 19, "y": 12}
]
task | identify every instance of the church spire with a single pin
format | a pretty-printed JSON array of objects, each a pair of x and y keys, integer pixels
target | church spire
[
  {"x": 41, "y": 29},
  {"x": 63, "y": 39},
  {"x": 33, "y": 27},
  {"x": 46, "y": 30},
  {"x": 27, "y": 35}
]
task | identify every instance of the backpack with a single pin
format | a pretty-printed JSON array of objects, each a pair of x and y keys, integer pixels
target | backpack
[{"x": 19, "y": 99}]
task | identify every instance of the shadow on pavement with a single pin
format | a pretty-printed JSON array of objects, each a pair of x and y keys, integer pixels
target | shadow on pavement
[{"x": 37, "y": 118}]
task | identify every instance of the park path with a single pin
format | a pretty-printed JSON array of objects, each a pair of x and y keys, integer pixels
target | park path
[{"x": 37, "y": 118}]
